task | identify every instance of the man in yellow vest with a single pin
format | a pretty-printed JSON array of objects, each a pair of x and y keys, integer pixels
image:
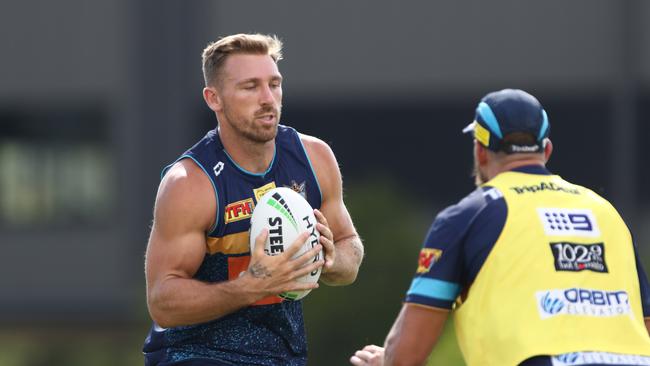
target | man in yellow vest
[{"x": 536, "y": 271}]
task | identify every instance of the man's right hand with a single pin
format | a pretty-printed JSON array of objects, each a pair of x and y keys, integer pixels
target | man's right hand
[{"x": 277, "y": 274}]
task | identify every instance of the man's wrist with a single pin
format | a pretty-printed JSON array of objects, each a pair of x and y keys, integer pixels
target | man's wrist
[{"x": 249, "y": 287}]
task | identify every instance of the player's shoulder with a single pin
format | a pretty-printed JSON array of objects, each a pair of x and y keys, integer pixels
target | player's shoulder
[
  {"x": 319, "y": 153},
  {"x": 483, "y": 209},
  {"x": 593, "y": 195},
  {"x": 314, "y": 145},
  {"x": 185, "y": 180},
  {"x": 185, "y": 193},
  {"x": 469, "y": 207},
  {"x": 182, "y": 172},
  {"x": 580, "y": 190}
]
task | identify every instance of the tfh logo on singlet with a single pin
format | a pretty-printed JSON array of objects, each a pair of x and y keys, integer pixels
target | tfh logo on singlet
[
  {"x": 568, "y": 222},
  {"x": 239, "y": 210}
]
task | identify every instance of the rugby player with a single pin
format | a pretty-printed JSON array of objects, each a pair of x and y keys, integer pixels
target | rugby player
[
  {"x": 213, "y": 302},
  {"x": 537, "y": 271}
]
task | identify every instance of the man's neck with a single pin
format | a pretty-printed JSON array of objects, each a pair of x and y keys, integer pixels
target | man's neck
[
  {"x": 249, "y": 155},
  {"x": 519, "y": 163},
  {"x": 510, "y": 164}
]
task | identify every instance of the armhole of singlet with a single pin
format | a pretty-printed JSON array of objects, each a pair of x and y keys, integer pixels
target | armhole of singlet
[
  {"x": 214, "y": 187},
  {"x": 311, "y": 166}
]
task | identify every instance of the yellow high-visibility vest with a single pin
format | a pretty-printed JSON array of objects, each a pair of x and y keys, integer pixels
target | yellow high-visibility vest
[{"x": 561, "y": 278}]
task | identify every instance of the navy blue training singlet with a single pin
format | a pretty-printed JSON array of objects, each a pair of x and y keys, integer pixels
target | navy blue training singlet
[{"x": 271, "y": 331}]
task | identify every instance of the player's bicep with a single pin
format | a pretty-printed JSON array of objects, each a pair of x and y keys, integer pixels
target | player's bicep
[
  {"x": 177, "y": 243},
  {"x": 176, "y": 254}
]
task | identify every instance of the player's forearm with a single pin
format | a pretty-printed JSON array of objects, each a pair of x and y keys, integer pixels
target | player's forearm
[
  {"x": 414, "y": 334},
  {"x": 182, "y": 301},
  {"x": 399, "y": 348},
  {"x": 647, "y": 324},
  {"x": 349, "y": 254},
  {"x": 397, "y": 351}
]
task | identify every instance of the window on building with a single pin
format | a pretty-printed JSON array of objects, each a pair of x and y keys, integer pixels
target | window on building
[{"x": 56, "y": 166}]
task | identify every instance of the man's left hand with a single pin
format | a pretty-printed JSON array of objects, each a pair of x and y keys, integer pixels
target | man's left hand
[{"x": 370, "y": 355}]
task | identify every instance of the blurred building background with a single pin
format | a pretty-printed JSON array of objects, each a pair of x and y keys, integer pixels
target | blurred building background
[{"x": 97, "y": 96}]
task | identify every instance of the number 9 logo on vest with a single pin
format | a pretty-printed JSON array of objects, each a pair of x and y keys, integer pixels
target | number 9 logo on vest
[{"x": 568, "y": 222}]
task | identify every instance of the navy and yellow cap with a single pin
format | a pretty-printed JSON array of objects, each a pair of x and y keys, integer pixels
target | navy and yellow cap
[{"x": 506, "y": 111}]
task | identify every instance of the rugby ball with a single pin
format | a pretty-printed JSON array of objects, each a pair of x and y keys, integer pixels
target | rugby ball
[{"x": 286, "y": 214}]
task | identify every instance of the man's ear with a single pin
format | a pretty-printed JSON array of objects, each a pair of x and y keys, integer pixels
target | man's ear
[
  {"x": 212, "y": 98},
  {"x": 548, "y": 149},
  {"x": 481, "y": 153}
]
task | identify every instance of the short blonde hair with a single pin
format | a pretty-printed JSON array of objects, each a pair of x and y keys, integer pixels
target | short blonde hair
[{"x": 215, "y": 54}]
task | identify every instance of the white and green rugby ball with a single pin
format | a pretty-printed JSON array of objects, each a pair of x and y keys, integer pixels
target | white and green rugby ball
[{"x": 286, "y": 214}]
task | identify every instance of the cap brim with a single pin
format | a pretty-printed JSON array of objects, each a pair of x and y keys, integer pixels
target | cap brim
[{"x": 470, "y": 127}]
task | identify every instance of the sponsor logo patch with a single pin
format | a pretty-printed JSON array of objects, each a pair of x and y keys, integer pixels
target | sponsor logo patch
[
  {"x": 568, "y": 222},
  {"x": 524, "y": 148},
  {"x": 582, "y": 302},
  {"x": 575, "y": 257},
  {"x": 239, "y": 210},
  {"x": 428, "y": 257},
  {"x": 545, "y": 186},
  {"x": 259, "y": 192},
  {"x": 601, "y": 358}
]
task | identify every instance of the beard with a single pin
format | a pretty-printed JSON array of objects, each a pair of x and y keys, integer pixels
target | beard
[
  {"x": 479, "y": 176},
  {"x": 249, "y": 129}
]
